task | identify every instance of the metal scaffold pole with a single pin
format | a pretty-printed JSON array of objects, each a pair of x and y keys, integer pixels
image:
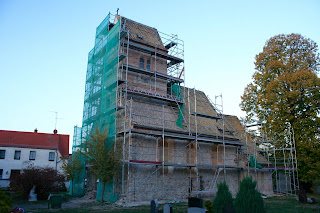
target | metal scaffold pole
[
  {"x": 296, "y": 160},
  {"x": 196, "y": 126},
  {"x": 163, "y": 150},
  {"x": 129, "y": 148},
  {"x": 189, "y": 114},
  {"x": 126, "y": 52},
  {"x": 292, "y": 160},
  {"x": 275, "y": 166},
  {"x": 285, "y": 168}
]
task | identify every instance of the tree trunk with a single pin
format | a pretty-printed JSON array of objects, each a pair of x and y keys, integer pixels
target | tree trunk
[{"x": 104, "y": 185}]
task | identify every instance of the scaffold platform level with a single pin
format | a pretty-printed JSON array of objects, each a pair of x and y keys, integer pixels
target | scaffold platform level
[
  {"x": 147, "y": 130},
  {"x": 279, "y": 168},
  {"x": 201, "y": 166},
  {"x": 206, "y": 116},
  {"x": 151, "y": 73},
  {"x": 152, "y": 51},
  {"x": 145, "y": 162},
  {"x": 252, "y": 125},
  {"x": 153, "y": 95},
  {"x": 171, "y": 44},
  {"x": 283, "y": 149}
]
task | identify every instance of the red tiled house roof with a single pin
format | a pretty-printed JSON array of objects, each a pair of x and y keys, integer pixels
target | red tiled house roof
[{"x": 35, "y": 140}]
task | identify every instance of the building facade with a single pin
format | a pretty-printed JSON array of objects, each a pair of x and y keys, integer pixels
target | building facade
[{"x": 19, "y": 150}]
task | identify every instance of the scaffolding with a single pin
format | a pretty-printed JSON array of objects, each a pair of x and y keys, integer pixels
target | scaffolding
[
  {"x": 135, "y": 89},
  {"x": 280, "y": 156}
]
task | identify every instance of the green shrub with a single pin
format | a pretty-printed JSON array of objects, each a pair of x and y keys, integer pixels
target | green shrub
[
  {"x": 248, "y": 199},
  {"x": 208, "y": 205},
  {"x": 223, "y": 198},
  {"x": 5, "y": 202}
]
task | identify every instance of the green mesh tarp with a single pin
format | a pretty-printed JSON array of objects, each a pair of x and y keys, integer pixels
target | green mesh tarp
[
  {"x": 108, "y": 195},
  {"x": 176, "y": 89},
  {"x": 109, "y": 99},
  {"x": 254, "y": 163},
  {"x": 76, "y": 186},
  {"x": 100, "y": 96}
]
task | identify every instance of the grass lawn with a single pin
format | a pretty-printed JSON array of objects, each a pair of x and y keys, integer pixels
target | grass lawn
[
  {"x": 273, "y": 205},
  {"x": 99, "y": 207},
  {"x": 289, "y": 204}
]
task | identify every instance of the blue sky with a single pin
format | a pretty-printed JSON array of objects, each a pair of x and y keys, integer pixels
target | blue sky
[{"x": 44, "y": 47}]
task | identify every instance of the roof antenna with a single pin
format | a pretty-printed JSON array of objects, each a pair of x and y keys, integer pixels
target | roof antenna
[
  {"x": 117, "y": 11},
  {"x": 55, "y": 126}
]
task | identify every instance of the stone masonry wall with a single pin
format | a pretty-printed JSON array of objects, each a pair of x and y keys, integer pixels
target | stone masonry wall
[{"x": 175, "y": 182}]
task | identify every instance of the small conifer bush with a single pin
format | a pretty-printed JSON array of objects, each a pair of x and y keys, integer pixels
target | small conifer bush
[
  {"x": 248, "y": 199},
  {"x": 223, "y": 198},
  {"x": 208, "y": 205}
]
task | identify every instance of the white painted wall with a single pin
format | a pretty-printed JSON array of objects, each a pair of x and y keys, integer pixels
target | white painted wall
[{"x": 41, "y": 160}]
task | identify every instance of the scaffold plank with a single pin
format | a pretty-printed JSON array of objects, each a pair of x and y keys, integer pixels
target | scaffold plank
[{"x": 206, "y": 116}]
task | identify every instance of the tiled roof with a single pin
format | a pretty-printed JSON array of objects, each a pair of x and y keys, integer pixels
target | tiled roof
[
  {"x": 143, "y": 34},
  {"x": 35, "y": 140}
]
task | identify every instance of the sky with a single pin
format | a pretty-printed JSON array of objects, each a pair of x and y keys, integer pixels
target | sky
[{"x": 44, "y": 47}]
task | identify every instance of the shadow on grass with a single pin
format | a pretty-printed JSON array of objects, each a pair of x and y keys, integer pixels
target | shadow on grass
[{"x": 288, "y": 204}]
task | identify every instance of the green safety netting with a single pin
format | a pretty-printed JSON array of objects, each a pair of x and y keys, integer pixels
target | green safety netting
[
  {"x": 176, "y": 89},
  {"x": 254, "y": 163},
  {"x": 77, "y": 185},
  {"x": 108, "y": 195},
  {"x": 109, "y": 100},
  {"x": 100, "y": 98}
]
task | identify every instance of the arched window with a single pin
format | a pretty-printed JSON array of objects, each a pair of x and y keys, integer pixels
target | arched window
[
  {"x": 148, "y": 65},
  {"x": 141, "y": 65}
]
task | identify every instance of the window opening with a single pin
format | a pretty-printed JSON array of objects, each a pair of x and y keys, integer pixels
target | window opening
[
  {"x": 2, "y": 154},
  {"x": 141, "y": 64},
  {"x": 51, "y": 156},
  {"x": 148, "y": 65},
  {"x": 17, "y": 155},
  {"x": 32, "y": 155}
]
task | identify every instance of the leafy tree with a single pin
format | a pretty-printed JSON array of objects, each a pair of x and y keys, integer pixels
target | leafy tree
[
  {"x": 45, "y": 180},
  {"x": 285, "y": 90},
  {"x": 102, "y": 157},
  {"x": 248, "y": 199},
  {"x": 223, "y": 198},
  {"x": 72, "y": 167}
]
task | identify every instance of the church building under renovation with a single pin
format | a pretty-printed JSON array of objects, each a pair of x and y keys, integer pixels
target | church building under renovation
[{"x": 175, "y": 142}]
